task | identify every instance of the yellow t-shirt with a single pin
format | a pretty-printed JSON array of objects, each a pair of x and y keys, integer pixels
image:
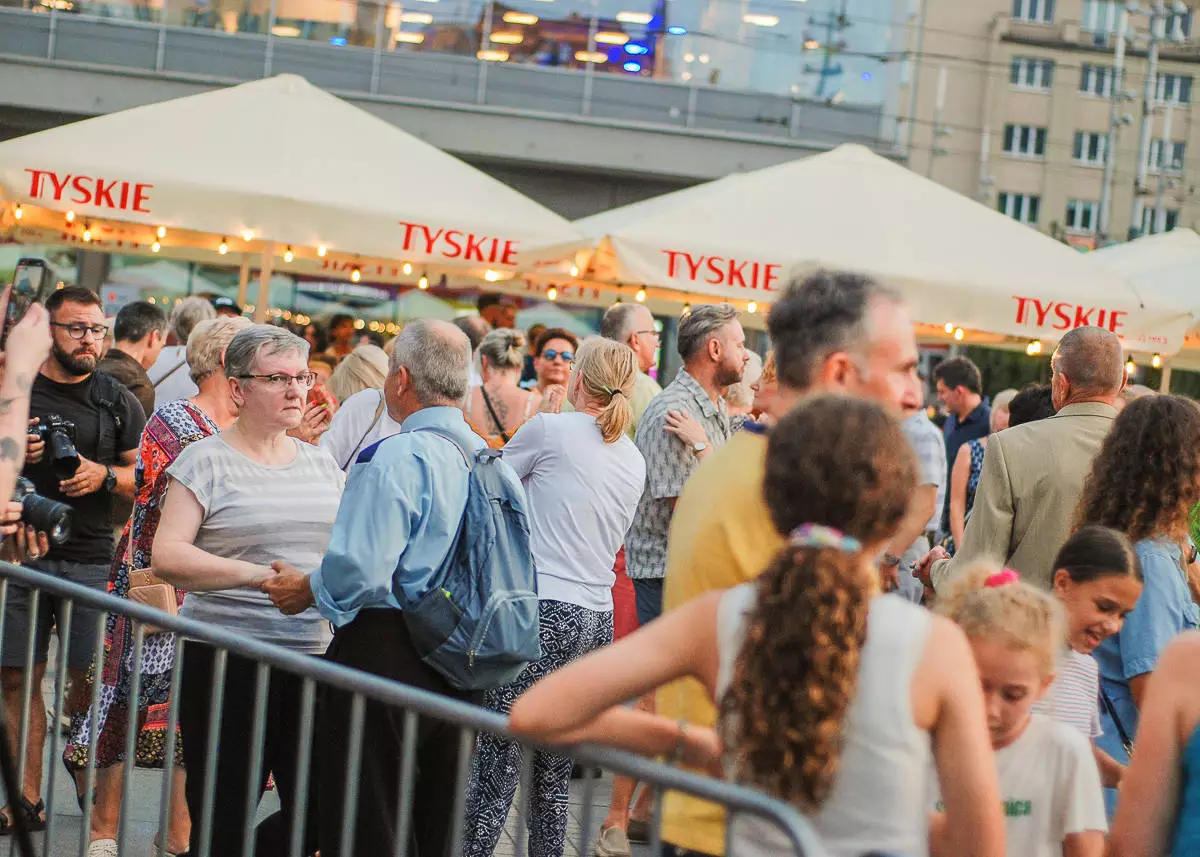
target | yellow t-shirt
[{"x": 721, "y": 536}]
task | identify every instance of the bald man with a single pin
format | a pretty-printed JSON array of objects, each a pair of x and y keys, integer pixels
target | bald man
[{"x": 1033, "y": 474}]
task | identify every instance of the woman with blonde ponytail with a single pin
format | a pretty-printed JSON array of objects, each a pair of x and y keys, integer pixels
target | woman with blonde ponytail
[
  {"x": 583, "y": 479},
  {"x": 832, "y": 695}
]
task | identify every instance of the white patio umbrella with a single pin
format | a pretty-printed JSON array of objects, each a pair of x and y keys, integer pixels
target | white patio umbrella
[
  {"x": 957, "y": 262},
  {"x": 277, "y": 168}
]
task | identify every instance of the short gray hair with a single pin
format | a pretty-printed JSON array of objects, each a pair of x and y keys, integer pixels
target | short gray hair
[
  {"x": 437, "y": 356},
  {"x": 206, "y": 346},
  {"x": 247, "y": 344},
  {"x": 820, "y": 315},
  {"x": 620, "y": 321},
  {"x": 1092, "y": 359},
  {"x": 700, "y": 325},
  {"x": 188, "y": 313}
]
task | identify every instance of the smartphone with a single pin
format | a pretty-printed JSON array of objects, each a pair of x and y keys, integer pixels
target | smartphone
[{"x": 29, "y": 286}]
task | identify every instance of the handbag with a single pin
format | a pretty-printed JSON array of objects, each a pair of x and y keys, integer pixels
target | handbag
[{"x": 145, "y": 587}]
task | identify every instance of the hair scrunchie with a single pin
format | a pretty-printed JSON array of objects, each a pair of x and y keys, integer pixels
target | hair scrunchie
[
  {"x": 1002, "y": 578},
  {"x": 821, "y": 536}
]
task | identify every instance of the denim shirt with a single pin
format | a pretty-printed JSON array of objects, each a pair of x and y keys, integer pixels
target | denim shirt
[{"x": 1164, "y": 610}]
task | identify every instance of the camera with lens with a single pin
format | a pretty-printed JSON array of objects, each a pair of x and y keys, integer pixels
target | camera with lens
[
  {"x": 43, "y": 514},
  {"x": 59, "y": 436}
]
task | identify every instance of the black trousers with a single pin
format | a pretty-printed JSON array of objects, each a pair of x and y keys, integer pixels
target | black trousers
[
  {"x": 280, "y": 755},
  {"x": 378, "y": 642}
]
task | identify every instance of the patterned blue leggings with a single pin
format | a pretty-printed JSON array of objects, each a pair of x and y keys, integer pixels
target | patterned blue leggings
[{"x": 567, "y": 632}]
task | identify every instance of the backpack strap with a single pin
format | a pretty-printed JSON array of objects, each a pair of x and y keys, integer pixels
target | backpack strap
[
  {"x": 106, "y": 395},
  {"x": 366, "y": 434},
  {"x": 462, "y": 450},
  {"x": 175, "y": 369}
]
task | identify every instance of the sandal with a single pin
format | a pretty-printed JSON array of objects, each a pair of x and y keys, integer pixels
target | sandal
[{"x": 34, "y": 819}]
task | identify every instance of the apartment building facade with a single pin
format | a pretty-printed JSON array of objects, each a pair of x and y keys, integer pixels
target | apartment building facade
[{"x": 1011, "y": 101}]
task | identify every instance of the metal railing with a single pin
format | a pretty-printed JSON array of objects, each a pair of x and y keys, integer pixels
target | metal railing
[{"x": 416, "y": 705}]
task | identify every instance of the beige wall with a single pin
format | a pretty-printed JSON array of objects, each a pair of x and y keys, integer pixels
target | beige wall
[{"x": 975, "y": 42}]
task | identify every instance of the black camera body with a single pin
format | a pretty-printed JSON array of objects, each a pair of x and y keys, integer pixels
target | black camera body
[
  {"x": 59, "y": 436},
  {"x": 43, "y": 514}
]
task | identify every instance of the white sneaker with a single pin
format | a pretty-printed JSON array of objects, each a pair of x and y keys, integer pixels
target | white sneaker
[
  {"x": 103, "y": 848},
  {"x": 612, "y": 843}
]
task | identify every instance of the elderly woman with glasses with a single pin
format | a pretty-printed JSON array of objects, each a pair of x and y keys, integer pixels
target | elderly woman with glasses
[{"x": 238, "y": 502}]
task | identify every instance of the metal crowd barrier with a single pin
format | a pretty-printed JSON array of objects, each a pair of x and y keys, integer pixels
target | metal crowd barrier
[{"x": 416, "y": 704}]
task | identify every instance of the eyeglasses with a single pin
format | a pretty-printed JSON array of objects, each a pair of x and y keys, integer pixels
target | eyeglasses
[
  {"x": 277, "y": 383},
  {"x": 654, "y": 333},
  {"x": 550, "y": 354},
  {"x": 78, "y": 330}
]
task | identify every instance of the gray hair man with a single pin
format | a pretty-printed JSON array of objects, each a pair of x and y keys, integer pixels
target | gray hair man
[
  {"x": 399, "y": 516},
  {"x": 1033, "y": 474},
  {"x": 633, "y": 325},
  {"x": 169, "y": 374},
  {"x": 831, "y": 332}
]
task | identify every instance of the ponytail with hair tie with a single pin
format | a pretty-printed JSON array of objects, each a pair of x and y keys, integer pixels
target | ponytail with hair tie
[{"x": 820, "y": 536}]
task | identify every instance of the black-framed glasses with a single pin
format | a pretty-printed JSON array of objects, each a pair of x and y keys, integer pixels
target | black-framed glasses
[
  {"x": 78, "y": 330},
  {"x": 278, "y": 382},
  {"x": 550, "y": 354}
]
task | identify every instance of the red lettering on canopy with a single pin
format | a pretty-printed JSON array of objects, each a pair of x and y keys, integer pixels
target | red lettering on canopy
[
  {"x": 722, "y": 270},
  {"x": 116, "y": 194},
  {"x": 1063, "y": 315},
  {"x": 457, "y": 244}
]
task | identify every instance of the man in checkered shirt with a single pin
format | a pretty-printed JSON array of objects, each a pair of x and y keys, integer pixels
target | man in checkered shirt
[{"x": 713, "y": 347}]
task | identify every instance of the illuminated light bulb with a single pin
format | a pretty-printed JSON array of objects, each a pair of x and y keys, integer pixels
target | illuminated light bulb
[
  {"x": 355, "y": 276},
  {"x": 574, "y": 270},
  {"x": 359, "y": 324},
  {"x": 752, "y": 307},
  {"x": 949, "y": 327},
  {"x": 641, "y": 296},
  {"x": 18, "y": 212},
  {"x": 87, "y": 233},
  {"x": 70, "y": 217},
  {"x": 423, "y": 283},
  {"x": 155, "y": 247},
  {"x": 958, "y": 333},
  {"x": 1029, "y": 350},
  {"x": 1130, "y": 366},
  {"x": 223, "y": 248},
  {"x": 407, "y": 268},
  {"x": 552, "y": 294},
  {"x": 687, "y": 309},
  {"x": 153, "y": 300},
  {"x": 247, "y": 235},
  {"x": 162, "y": 232},
  {"x": 321, "y": 251},
  {"x": 288, "y": 255},
  {"x": 492, "y": 276},
  {"x": 1156, "y": 361}
]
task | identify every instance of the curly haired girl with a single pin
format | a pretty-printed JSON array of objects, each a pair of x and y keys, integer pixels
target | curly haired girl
[
  {"x": 832, "y": 695},
  {"x": 1053, "y": 805},
  {"x": 1143, "y": 483}
]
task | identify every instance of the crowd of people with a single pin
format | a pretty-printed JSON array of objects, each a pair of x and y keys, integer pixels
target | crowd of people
[{"x": 973, "y": 639}]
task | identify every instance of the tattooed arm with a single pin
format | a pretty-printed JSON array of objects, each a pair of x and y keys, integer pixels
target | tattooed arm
[{"x": 27, "y": 348}]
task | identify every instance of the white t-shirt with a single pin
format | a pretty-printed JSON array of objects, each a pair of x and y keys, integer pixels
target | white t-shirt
[
  {"x": 171, "y": 376},
  {"x": 582, "y": 496},
  {"x": 1051, "y": 788},
  {"x": 1074, "y": 697},
  {"x": 351, "y": 431}
]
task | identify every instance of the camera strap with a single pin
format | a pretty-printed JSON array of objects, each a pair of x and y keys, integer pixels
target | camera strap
[{"x": 105, "y": 394}]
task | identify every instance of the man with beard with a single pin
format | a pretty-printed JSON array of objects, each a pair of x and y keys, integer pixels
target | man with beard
[{"x": 108, "y": 423}]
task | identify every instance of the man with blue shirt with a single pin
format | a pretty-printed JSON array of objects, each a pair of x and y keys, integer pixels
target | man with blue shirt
[
  {"x": 403, "y": 503},
  {"x": 960, "y": 387}
]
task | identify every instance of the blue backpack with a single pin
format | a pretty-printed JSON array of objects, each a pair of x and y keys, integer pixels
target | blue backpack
[{"x": 478, "y": 622}]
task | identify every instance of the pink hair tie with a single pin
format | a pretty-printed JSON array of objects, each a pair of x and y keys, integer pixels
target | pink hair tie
[{"x": 1002, "y": 578}]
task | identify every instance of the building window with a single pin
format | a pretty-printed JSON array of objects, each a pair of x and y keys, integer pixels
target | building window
[
  {"x": 1166, "y": 152},
  {"x": 1020, "y": 206},
  {"x": 1100, "y": 16},
  {"x": 1035, "y": 11},
  {"x": 1090, "y": 148},
  {"x": 1173, "y": 89},
  {"x": 1025, "y": 140},
  {"x": 1096, "y": 80},
  {"x": 1179, "y": 24},
  {"x": 1032, "y": 73},
  {"x": 1149, "y": 226},
  {"x": 1082, "y": 216}
]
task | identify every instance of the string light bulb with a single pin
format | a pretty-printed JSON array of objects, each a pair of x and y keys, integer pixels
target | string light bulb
[
  {"x": 1156, "y": 361},
  {"x": 687, "y": 309},
  {"x": 574, "y": 270},
  {"x": 958, "y": 334},
  {"x": 641, "y": 296},
  {"x": 247, "y": 235},
  {"x": 70, "y": 217},
  {"x": 87, "y": 232},
  {"x": 155, "y": 247},
  {"x": 552, "y": 294},
  {"x": 321, "y": 251},
  {"x": 355, "y": 275},
  {"x": 288, "y": 255},
  {"x": 223, "y": 247},
  {"x": 949, "y": 328},
  {"x": 1034, "y": 348},
  {"x": 752, "y": 307},
  {"x": 1130, "y": 366},
  {"x": 18, "y": 212},
  {"x": 162, "y": 232},
  {"x": 407, "y": 268},
  {"x": 423, "y": 283}
]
